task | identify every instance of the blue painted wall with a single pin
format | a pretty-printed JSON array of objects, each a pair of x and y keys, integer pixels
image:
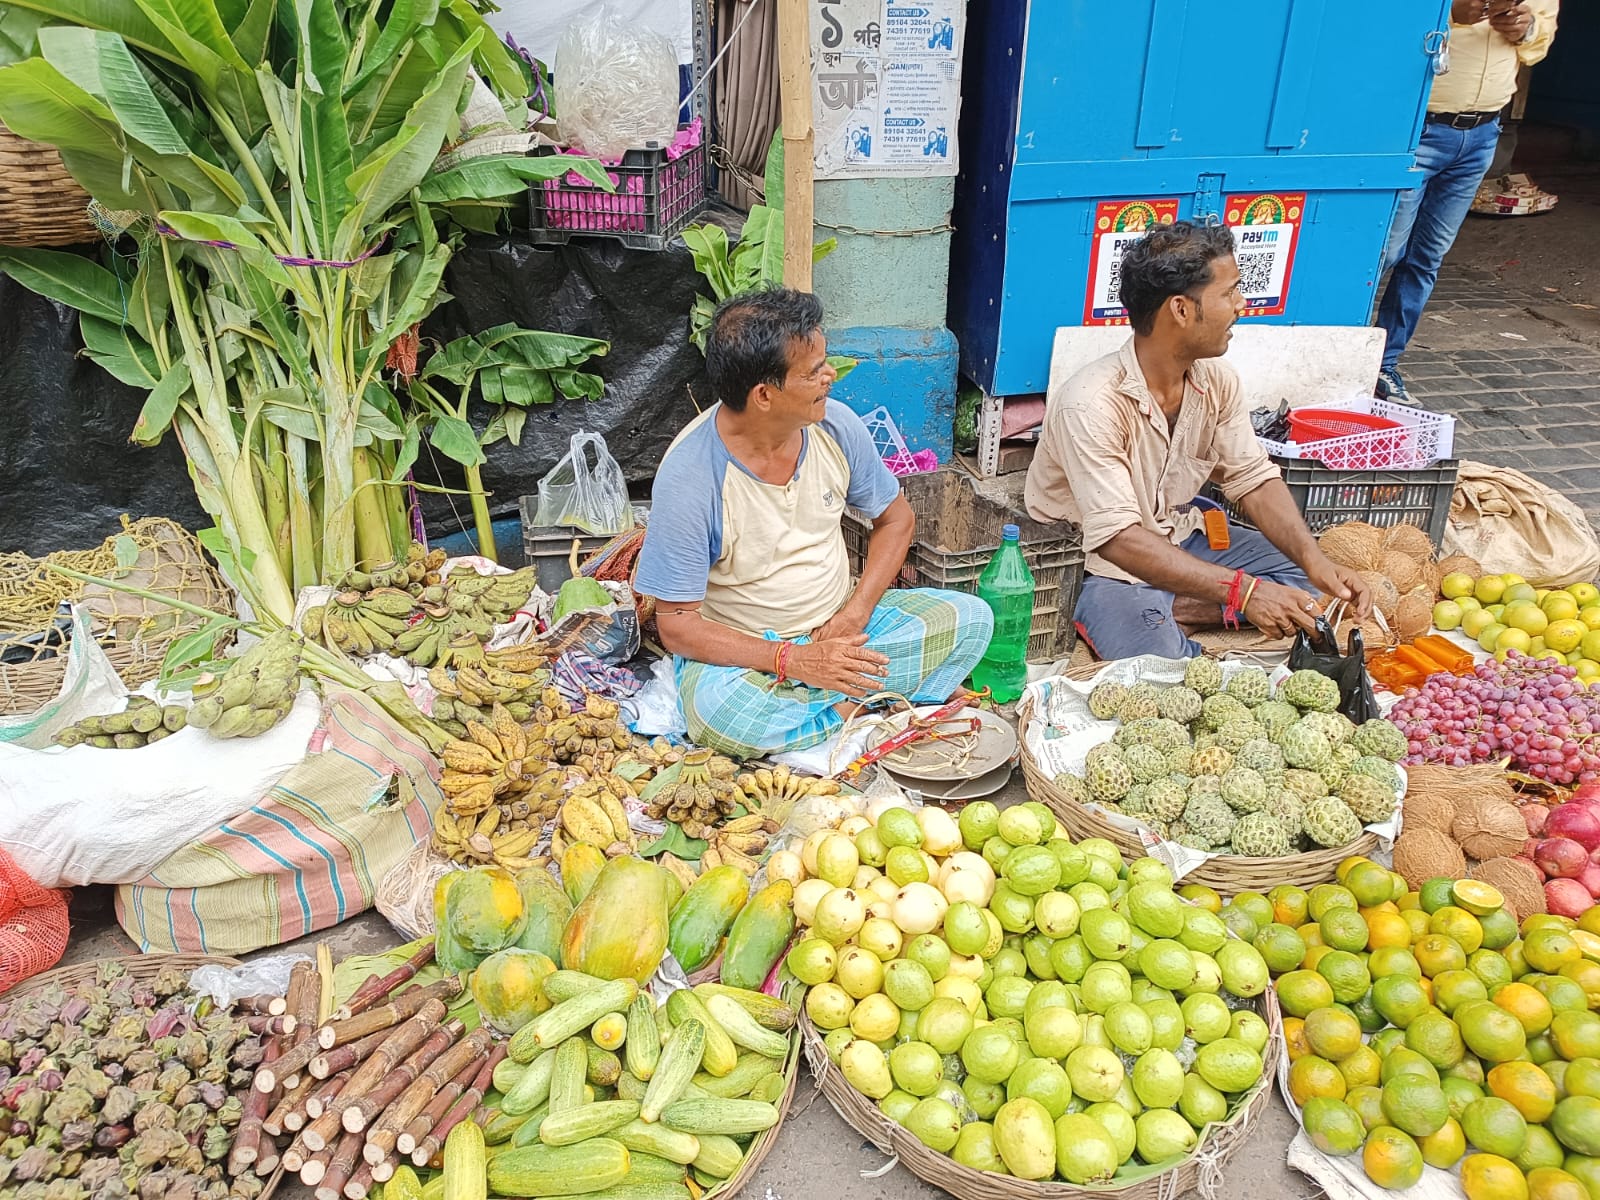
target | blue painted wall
[{"x": 911, "y": 372}]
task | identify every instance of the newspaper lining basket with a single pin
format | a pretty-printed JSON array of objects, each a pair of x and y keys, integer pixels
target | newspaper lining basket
[
  {"x": 1201, "y": 1170},
  {"x": 1228, "y": 874}
]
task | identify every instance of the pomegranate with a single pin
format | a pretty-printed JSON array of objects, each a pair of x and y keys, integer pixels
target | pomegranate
[
  {"x": 1561, "y": 858},
  {"x": 1590, "y": 878},
  {"x": 1588, "y": 793},
  {"x": 1535, "y": 816},
  {"x": 1576, "y": 821},
  {"x": 1567, "y": 898}
]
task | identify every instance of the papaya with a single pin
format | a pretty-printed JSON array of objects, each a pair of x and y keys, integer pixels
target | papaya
[
  {"x": 547, "y": 909},
  {"x": 508, "y": 987},
  {"x": 702, "y": 918},
  {"x": 759, "y": 936},
  {"x": 451, "y": 955},
  {"x": 619, "y": 931},
  {"x": 483, "y": 910},
  {"x": 579, "y": 867}
]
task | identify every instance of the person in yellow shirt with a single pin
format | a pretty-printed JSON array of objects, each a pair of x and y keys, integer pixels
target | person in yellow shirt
[{"x": 1489, "y": 41}]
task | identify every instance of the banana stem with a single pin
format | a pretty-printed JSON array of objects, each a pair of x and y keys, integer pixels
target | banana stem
[{"x": 480, "y": 513}]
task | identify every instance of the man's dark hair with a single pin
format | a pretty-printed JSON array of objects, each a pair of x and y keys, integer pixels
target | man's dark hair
[
  {"x": 750, "y": 339},
  {"x": 1170, "y": 260}
]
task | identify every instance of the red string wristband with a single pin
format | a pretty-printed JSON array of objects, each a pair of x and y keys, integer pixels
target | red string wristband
[
  {"x": 1231, "y": 606},
  {"x": 784, "y": 649}
]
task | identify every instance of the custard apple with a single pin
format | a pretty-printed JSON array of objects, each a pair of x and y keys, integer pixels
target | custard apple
[
  {"x": 1289, "y": 809},
  {"x": 1141, "y": 700},
  {"x": 1180, "y": 760},
  {"x": 1184, "y": 836},
  {"x": 1152, "y": 731},
  {"x": 1180, "y": 704},
  {"x": 1344, "y": 756},
  {"x": 1134, "y": 801},
  {"x": 1146, "y": 762},
  {"x": 1107, "y": 776},
  {"x": 1072, "y": 787},
  {"x": 1166, "y": 799},
  {"x": 1244, "y": 790},
  {"x": 1310, "y": 690},
  {"x": 1156, "y": 826},
  {"x": 1381, "y": 740},
  {"x": 1260, "y": 755},
  {"x": 1329, "y": 822},
  {"x": 1250, "y": 687},
  {"x": 1205, "y": 785},
  {"x": 1333, "y": 774},
  {"x": 1233, "y": 736},
  {"x": 1208, "y": 817},
  {"x": 1261, "y": 835},
  {"x": 1217, "y": 711},
  {"x": 1213, "y": 760},
  {"x": 1304, "y": 746},
  {"x": 1105, "y": 701},
  {"x": 1203, "y": 675},
  {"x": 1377, "y": 768},
  {"x": 1368, "y": 799},
  {"x": 1307, "y": 785},
  {"x": 1275, "y": 716}
]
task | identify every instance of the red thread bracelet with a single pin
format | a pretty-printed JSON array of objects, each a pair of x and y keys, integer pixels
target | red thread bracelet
[
  {"x": 784, "y": 650},
  {"x": 1231, "y": 606}
]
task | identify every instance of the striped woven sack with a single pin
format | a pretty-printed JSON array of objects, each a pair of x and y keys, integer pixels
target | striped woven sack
[{"x": 310, "y": 854}]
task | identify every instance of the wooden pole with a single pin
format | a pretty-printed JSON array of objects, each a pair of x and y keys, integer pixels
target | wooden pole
[{"x": 794, "y": 76}]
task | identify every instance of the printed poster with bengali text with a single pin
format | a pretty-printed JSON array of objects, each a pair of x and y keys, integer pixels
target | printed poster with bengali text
[
  {"x": 1266, "y": 230},
  {"x": 1117, "y": 225},
  {"x": 887, "y": 86}
]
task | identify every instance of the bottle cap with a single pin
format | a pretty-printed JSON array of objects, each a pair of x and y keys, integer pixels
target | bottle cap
[{"x": 1010, "y": 532}]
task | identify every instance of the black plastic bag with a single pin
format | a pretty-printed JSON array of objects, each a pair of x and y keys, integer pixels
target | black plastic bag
[{"x": 1321, "y": 654}]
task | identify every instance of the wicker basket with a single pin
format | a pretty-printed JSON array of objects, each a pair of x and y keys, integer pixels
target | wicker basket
[
  {"x": 1227, "y": 874},
  {"x": 139, "y": 966},
  {"x": 1202, "y": 1170},
  {"x": 762, "y": 1144},
  {"x": 40, "y": 203}
]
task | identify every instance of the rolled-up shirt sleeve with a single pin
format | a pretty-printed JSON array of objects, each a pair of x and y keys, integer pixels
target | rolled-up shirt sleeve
[
  {"x": 1242, "y": 464},
  {"x": 1096, "y": 457}
]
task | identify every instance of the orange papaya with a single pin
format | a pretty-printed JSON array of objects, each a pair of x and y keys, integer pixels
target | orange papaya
[
  {"x": 547, "y": 908},
  {"x": 702, "y": 918},
  {"x": 451, "y": 955},
  {"x": 508, "y": 987},
  {"x": 579, "y": 866},
  {"x": 483, "y": 910},
  {"x": 619, "y": 931},
  {"x": 759, "y": 936}
]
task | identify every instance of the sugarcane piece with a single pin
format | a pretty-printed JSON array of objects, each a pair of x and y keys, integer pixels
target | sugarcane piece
[
  {"x": 356, "y": 1117},
  {"x": 386, "y": 1058},
  {"x": 315, "y": 1168},
  {"x": 384, "y": 1134},
  {"x": 341, "y": 1165},
  {"x": 351, "y": 1054},
  {"x": 464, "y": 1106},
  {"x": 294, "y": 1157},
  {"x": 385, "y": 1170},
  {"x": 377, "y": 988},
  {"x": 247, "y": 1137},
  {"x": 421, "y": 1125},
  {"x": 322, "y": 1095},
  {"x": 359, "y": 1185},
  {"x": 402, "y": 1007}
]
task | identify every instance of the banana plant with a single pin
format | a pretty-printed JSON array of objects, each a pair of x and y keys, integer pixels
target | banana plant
[{"x": 275, "y": 161}]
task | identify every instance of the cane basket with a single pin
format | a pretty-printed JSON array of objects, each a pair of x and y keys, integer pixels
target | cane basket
[{"x": 40, "y": 203}]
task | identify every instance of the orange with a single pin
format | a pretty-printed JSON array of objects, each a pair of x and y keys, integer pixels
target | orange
[
  {"x": 1586, "y": 974},
  {"x": 1410, "y": 901},
  {"x": 1325, "y": 897},
  {"x": 1281, "y": 947},
  {"x": 1590, "y": 921},
  {"x": 1490, "y": 1177},
  {"x": 1478, "y": 898},
  {"x": 1444, "y": 1147},
  {"x": 1394, "y": 960},
  {"x": 1368, "y": 1103},
  {"x": 1437, "y": 953},
  {"x": 1294, "y": 1037},
  {"x": 1426, "y": 985},
  {"x": 1452, "y": 989},
  {"x": 1346, "y": 973},
  {"x": 1289, "y": 904},
  {"x": 1435, "y": 1036},
  {"x": 1387, "y": 930},
  {"x": 1491, "y": 1033},
  {"x": 1302, "y": 992},
  {"x": 1528, "y": 1089},
  {"x": 1199, "y": 894},
  {"x": 1417, "y": 921},
  {"x": 1314, "y": 955},
  {"x": 1459, "y": 924},
  {"x": 1361, "y": 1069},
  {"x": 1312, "y": 1075},
  {"x": 1494, "y": 1126},
  {"x": 1415, "y": 1104},
  {"x": 1391, "y": 1159},
  {"x": 1549, "y": 949},
  {"x": 1527, "y": 1005},
  {"x": 1332, "y": 1033},
  {"x": 1400, "y": 999},
  {"x": 1582, "y": 1078},
  {"x": 1348, "y": 864},
  {"x": 1256, "y": 905},
  {"x": 1552, "y": 1183},
  {"x": 1311, "y": 932},
  {"x": 1344, "y": 929},
  {"x": 1575, "y": 1034},
  {"x": 1369, "y": 883}
]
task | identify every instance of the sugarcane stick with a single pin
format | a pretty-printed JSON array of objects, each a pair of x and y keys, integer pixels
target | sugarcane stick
[
  {"x": 300, "y": 1015},
  {"x": 346, "y": 1154},
  {"x": 294, "y": 1157},
  {"x": 421, "y": 1125},
  {"x": 351, "y": 1054},
  {"x": 269, "y": 1026},
  {"x": 325, "y": 983},
  {"x": 322, "y": 1095},
  {"x": 384, "y": 1171},
  {"x": 267, "y": 1163},
  {"x": 359, "y": 1185},
  {"x": 384, "y": 1135},
  {"x": 399, "y": 1009},
  {"x": 368, "y": 1108},
  {"x": 316, "y": 1166},
  {"x": 288, "y": 1066},
  {"x": 400, "y": 1043},
  {"x": 289, "y": 1114},
  {"x": 460, "y": 1110},
  {"x": 265, "y": 1006},
  {"x": 376, "y": 988},
  {"x": 247, "y": 1137}
]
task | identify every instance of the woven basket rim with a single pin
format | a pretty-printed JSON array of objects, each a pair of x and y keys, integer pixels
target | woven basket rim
[
  {"x": 1226, "y": 873},
  {"x": 761, "y": 1145},
  {"x": 1210, "y": 1153}
]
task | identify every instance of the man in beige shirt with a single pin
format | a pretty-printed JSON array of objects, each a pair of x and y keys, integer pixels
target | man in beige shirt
[
  {"x": 1489, "y": 41},
  {"x": 1130, "y": 441}
]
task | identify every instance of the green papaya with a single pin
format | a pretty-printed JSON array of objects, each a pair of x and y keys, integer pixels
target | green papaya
[
  {"x": 702, "y": 918},
  {"x": 547, "y": 909},
  {"x": 759, "y": 936}
]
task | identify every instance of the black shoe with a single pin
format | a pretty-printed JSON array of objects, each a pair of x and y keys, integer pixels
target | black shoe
[{"x": 1392, "y": 388}]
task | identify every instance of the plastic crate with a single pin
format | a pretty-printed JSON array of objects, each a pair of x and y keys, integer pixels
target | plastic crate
[
  {"x": 952, "y": 513},
  {"x": 1425, "y": 438},
  {"x": 548, "y": 547},
  {"x": 658, "y": 192},
  {"x": 1386, "y": 499}
]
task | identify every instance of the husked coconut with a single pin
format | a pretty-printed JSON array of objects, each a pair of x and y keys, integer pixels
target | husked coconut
[
  {"x": 1459, "y": 564},
  {"x": 1408, "y": 539},
  {"x": 1354, "y": 544},
  {"x": 1428, "y": 810},
  {"x": 1488, "y": 829},
  {"x": 1422, "y": 854},
  {"x": 1518, "y": 881},
  {"x": 1385, "y": 596},
  {"x": 1402, "y": 568},
  {"x": 1413, "y": 616}
]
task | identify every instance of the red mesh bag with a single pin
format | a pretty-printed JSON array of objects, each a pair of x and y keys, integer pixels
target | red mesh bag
[{"x": 33, "y": 925}]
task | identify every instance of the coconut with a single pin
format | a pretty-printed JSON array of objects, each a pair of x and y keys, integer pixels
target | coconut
[
  {"x": 1410, "y": 540},
  {"x": 1354, "y": 544},
  {"x": 1489, "y": 829},
  {"x": 1402, "y": 568},
  {"x": 1517, "y": 881},
  {"x": 1385, "y": 596},
  {"x": 1429, "y": 810},
  {"x": 1413, "y": 616},
  {"x": 1422, "y": 854},
  {"x": 1376, "y": 633},
  {"x": 1462, "y": 564}
]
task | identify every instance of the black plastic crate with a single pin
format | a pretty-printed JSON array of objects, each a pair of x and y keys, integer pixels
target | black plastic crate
[
  {"x": 1326, "y": 497},
  {"x": 655, "y": 198},
  {"x": 958, "y": 531}
]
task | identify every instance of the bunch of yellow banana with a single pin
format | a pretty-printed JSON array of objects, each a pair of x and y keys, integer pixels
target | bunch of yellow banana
[
  {"x": 590, "y": 738},
  {"x": 488, "y": 839},
  {"x": 780, "y": 787},
  {"x": 739, "y": 843},
  {"x": 475, "y": 687},
  {"x": 595, "y": 812},
  {"x": 484, "y": 765}
]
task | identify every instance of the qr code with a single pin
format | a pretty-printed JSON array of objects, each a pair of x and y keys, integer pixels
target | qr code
[
  {"x": 1255, "y": 274},
  {"x": 1113, "y": 297}
]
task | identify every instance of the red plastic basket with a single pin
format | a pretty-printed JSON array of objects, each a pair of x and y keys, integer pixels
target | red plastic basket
[{"x": 1323, "y": 424}]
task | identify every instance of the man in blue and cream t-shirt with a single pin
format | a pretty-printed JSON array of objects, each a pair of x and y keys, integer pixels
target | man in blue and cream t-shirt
[{"x": 746, "y": 559}]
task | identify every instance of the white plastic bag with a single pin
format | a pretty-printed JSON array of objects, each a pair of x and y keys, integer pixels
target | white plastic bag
[
  {"x": 616, "y": 85},
  {"x": 593, "y": 499}
]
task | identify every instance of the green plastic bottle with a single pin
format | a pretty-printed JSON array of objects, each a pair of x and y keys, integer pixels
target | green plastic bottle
[{"x": 1006, "y": 586}]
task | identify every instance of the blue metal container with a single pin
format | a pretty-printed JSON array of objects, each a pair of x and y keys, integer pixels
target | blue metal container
[{"x": 1068, "y": 104}]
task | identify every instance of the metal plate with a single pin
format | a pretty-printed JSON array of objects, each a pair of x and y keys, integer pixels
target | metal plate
[
  {"x": 993, "y": 747},
  {"x": 938, "y": 791}
]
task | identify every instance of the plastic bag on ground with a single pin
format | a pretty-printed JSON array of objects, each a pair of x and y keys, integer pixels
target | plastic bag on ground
[
  {"x": 593, "y": 498},
  {"x": 616, "y": 86}
]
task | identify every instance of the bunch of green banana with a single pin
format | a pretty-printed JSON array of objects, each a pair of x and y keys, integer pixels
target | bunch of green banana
[
  {"x": 477, "y": 685},
  {"x": 142, "y": 722},
  {"x": 254, "y": 693},
  {"x": 363, "y": 624},
  {"x": 420, "y": 569}
]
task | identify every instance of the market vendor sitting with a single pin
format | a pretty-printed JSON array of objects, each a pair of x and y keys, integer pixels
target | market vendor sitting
[
  {"x": 745, "y": 554},
  {"x": 1131, "y": 440}
]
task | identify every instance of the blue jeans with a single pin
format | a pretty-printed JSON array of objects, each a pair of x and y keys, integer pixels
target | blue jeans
[
  {"x": 1124, "y": 620},
  {"x": 1453, "y": 163}
]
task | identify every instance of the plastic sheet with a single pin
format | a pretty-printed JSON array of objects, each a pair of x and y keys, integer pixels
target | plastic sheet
[
  {"x": 616, "y": 85},
  {"x": 260, "y": 977}
]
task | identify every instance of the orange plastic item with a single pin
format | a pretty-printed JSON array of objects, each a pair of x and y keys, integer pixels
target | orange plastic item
[
  {"x": 1445, "y": 652},
  {"x": 1389, "y": 670},
  {"x": 1420, "y": 659}
]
